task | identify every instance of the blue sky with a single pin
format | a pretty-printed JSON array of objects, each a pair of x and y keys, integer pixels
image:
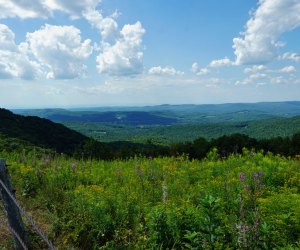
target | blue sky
[{"x": 56, "y": 53}]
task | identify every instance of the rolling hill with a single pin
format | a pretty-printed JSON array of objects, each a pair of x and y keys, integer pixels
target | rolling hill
[{"x": 40, "y": 132}]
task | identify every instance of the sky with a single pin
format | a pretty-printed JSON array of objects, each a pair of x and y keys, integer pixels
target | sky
[{"x": 87, "y": 53}]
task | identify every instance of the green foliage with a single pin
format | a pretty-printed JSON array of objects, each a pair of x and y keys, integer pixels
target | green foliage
[
  {"x": 36, "y": 132},
  {"x": 169, "y": 124},
  {"x": 40, "y": 132},
  {"x": 189, "y": 131},
  {"x": 245, "y": 201}
]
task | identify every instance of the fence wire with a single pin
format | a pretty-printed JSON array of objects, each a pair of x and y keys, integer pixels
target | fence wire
[
  {"x": 2, "y": 222},
  {"x": 30, "y": 220}
]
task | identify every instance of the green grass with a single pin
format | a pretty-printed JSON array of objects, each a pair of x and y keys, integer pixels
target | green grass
[{"x": 248, "y": 201}]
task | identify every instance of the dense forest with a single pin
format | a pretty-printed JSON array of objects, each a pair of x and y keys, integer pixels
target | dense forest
[{"x": 177, "y": 133}]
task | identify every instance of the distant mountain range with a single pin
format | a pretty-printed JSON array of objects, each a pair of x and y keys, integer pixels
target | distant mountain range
[{"x": 170, "y": 114}]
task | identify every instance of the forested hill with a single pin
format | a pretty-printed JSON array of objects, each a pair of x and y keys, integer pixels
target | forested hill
[{"x": 40, "y": 132}]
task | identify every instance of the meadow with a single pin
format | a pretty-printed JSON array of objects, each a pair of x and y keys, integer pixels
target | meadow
[{"x": 244, "y": 201}]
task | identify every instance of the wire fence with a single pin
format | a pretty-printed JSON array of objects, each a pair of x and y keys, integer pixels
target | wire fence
[
  {"x": 5, "y": 224},
  {"x": 29, "y": 219}
]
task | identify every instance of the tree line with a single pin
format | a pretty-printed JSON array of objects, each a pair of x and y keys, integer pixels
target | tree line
[{"x": 198, "y": 149}]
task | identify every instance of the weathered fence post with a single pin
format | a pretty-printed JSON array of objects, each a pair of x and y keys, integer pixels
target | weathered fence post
[{"x": 12, "y": 211}]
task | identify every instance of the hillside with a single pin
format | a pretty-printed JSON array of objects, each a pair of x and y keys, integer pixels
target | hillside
[{"x": 40, "y": 132}]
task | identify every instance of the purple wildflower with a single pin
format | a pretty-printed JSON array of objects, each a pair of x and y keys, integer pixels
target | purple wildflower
[
  {"x": 242, "y": 176},
  {"x": 257, "y": 175}
]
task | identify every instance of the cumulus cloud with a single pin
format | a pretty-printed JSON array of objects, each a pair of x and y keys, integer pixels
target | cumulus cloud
[
  {"x": 60, "y": 50},
  {"x": 7, "y": 38},
  {"x": 14, "y": 60},
  {"x": 288, "y": 69},
  {"x": 165, "y": 71},
  {"x": 43, "y": 9},
  {"x": 221, "y": 62},
  {"x": 290, "y": 56},
  {"x": 125, "y": 56},
  {"x": 107, "y": 26},
  {"x": 121, "y": 50},
  {"x": 259, "y": 43},
  {"x": 199, "y": 71}
]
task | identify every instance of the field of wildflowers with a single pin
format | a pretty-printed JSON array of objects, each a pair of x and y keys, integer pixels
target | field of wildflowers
[{"x": 244, "y": 201}]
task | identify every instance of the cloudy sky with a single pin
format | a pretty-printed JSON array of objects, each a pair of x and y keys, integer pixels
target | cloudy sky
[{"x": 58, "y": 53}]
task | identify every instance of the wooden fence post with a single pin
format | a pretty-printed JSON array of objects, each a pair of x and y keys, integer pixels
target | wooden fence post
[{"x": 12, "y": 211}]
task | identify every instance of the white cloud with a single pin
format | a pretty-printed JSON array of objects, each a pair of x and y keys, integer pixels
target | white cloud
[
  {"x": 290, "y": 56},
  {"x": 199, "y": 71},
  {"x": 254, "y": 69},
  {"x": 121, "y": 50},
  {"x": 278, "y": 80},
  {"x": 221, "y": 62},
  {"x": 23, "y": 9},
  {"x": 288, "y": 69},
  {"x": 195, "y": 67},
  {"x": 43, "y": 9},
  {"x": 203, "y": 71},
  {"x": 14, "y": 61},
  {"x": 257, "y": 76},
  {"x": 259, "y": 43},
  {"x": 245, "y": 81},
  {"x": 107, "y": 26},
  {"x": 74, "y": 8},
  {"x": 60, "y": 50},
  {"x": 125, "y": 56},
  {"x": 165, "y": 71},
  {"x": 7, "y": 38}
]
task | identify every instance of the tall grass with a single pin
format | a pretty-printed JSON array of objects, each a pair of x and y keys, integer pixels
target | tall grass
[{"x": 248, "y": 201}]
